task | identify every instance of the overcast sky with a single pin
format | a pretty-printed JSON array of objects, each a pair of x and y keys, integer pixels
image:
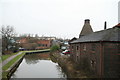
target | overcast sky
[{"x": 60, "y": 18}]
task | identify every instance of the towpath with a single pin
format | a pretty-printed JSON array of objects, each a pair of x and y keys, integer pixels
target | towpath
[{"x": 10, "y": 58}]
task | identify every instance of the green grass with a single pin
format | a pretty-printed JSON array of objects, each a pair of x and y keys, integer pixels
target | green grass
[
  {"x": 4, "y": 74},
  {"x": 35, "y": 50},
  {"x": 10, "y": 63},
  {"x": 54, "y": 48},
  {"x": 0, "y": 60},
  {"x": 4, "y": 57}
]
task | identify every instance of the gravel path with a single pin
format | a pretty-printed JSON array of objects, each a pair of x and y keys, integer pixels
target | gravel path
[{"x": 10, "y": 58}]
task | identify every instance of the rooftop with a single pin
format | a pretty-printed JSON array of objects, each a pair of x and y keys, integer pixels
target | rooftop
[
  {"x": 118, "y": 25},
  {"x": 111, "y": 34}
]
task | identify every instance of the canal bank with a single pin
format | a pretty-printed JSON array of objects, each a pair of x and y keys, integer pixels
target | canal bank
[
  {"x": 41, "y": 65},
  {"x": 12, "y": 69},
  {"x": 71, "y": 68},
  {"x": 12, "y": 64},
  {"x": 38, "y": 65}
]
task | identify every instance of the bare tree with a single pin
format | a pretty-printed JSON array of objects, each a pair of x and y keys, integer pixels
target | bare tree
[{"x": 8, "y": 35}]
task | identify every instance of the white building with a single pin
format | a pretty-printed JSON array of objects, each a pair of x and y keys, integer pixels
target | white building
[
  {"x": 119, "y": 12},
  {"x": 47, "y": 38}
]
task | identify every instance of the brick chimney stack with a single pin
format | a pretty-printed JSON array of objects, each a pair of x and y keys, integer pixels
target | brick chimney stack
[
  {"x": 105, "y": 25},
  {"x": 86, "y": 28},
  {"x": 87, "y": 21}
]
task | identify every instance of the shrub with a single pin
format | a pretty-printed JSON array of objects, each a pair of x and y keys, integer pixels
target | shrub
[{"x": 54, "y": 48}]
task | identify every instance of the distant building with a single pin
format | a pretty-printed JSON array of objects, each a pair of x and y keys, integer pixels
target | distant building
[
  {"x": 43, "y": 44},
  {"x": 22, "y": 41},
  {"x": 99, "y": 52},
  {"x": 72, "y": 39},
  {"x": 47, "y": 38},
  {"x": 33, "y": 43}
]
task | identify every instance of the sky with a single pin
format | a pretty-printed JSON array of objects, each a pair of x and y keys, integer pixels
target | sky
[
  {"x": 59, "y": 18},
  {"x": 119, "y": 12}
]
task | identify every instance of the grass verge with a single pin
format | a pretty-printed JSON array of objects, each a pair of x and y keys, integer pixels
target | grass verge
[
  {"x": 36, "y": 50},
  {"x": 9, "y": 64},
  {"x": 4, "y": 57}
]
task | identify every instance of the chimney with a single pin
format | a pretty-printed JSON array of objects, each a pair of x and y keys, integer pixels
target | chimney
[
  {"x": 105, "y": 25},
  {"x": 87, "y": 21},
  {"x": 87, "y": 29}
]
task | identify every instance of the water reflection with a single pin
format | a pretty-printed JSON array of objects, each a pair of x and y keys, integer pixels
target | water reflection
[
  {"x": 61, "y": 73},
  {"x": 38, "y": 66},
  {"x": 34, "y": 58}
]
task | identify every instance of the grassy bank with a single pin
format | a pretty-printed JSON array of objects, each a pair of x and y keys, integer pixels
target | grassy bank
[
  {"x": 10, "y": 64},
  {"x": 4, "y": 57},
  {"x": 54, "y": 48},
  {"x": 6, "y": 68},
  {"x": 69, "y": 66},
  {"x": 35, "y": 50}
]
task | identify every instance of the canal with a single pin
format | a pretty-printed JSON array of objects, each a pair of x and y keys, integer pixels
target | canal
[{"x": 38, "y": 65}]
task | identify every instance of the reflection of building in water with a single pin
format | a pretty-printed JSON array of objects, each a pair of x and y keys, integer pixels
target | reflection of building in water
[
  {"x": 44, "y": 56},
  {"x": 119, "y": 12},
  {"x": 34, "y": 58},
  {"x": 98, "y": 52}
]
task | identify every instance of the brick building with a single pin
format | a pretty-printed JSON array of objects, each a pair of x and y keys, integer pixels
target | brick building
[
  {"x": 33, "y": 43},
  {"x": 43, "y": 44},
  {"x": 99, "y": 52}
]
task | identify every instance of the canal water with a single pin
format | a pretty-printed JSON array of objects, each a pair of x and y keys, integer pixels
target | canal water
[{"x": 38, "y": 65}]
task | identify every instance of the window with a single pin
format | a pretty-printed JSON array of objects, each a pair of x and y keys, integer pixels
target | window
[
  {"x": 93, "y": 47},
  {"x": 93, "y": 63},
  {"x": 39, "y": 44},
  {"x": 77, "y": 58},
  {"x": 84, "y": 47},
  {"x": 77, "y": 48},
  {"x": 42, "y": 44},
  {"x": 72, "y": 47}
]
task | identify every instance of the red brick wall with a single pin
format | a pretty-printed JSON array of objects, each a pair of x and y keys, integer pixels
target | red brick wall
[
  {"x": 44, "y": 43},
  {"x": 87, "y": 56},
  {"x": 111, "y": 60},
  {"x": 90, "y": 56},
  {"x": 103, "y": 59},
  {"x": 73, "y": 51}
]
